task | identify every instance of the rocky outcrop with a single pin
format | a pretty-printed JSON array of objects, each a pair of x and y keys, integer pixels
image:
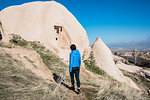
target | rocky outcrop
[
  {"x": 48, "y": 22},
  {"x": 56, "y": 28},
  {"x": 104, "y": 60}
]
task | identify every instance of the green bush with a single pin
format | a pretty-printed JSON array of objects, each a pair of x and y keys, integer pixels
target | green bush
[
  {"x": 19, "y": 41},
  {"x": 90, "y": 64}
]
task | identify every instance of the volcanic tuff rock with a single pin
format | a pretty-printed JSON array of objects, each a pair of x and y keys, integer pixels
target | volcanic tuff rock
[
  {"x": 48, "y": 22},
  {"x": 104, "y": 60},
  {"x": 56, "y": 28}
]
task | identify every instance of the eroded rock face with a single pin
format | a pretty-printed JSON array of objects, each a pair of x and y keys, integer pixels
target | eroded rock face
[
  {"x": 104, "y": 60},
  {"x": 56, "y": 28},
  {"x": 48, "y": 22}
]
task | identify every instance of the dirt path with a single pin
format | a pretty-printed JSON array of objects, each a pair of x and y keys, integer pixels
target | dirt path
[
  {"x": 73, "y": 94},
  {"x": 32, "y": 61}
]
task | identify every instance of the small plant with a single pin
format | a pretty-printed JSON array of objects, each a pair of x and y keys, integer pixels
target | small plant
[
  {"x": 90, "y": 65},
  {"x": 83, "y": 56},
  {"x": 17, "y": 40}
]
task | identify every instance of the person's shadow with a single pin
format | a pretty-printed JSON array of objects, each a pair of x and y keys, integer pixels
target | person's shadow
[{"x": 59, "y": 80}]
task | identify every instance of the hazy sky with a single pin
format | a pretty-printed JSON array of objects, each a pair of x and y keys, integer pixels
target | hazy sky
[{"x": 112, "y": 20}]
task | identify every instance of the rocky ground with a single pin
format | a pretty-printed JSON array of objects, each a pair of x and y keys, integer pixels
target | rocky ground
[{"x": 139, "y": 75}]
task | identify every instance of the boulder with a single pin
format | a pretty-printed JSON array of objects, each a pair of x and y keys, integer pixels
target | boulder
[{"x": 48, "y": 22}]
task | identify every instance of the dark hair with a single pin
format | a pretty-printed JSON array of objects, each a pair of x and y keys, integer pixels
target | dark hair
[{"x": 73, "y": 47}]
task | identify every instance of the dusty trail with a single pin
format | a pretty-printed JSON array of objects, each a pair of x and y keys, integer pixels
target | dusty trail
[{"x": 32, "y": 61}]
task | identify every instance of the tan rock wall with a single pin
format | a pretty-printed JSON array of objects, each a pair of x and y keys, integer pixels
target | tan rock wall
[
  {"x": 104, "y": 60},
  {"x": 35, "y": 21}
]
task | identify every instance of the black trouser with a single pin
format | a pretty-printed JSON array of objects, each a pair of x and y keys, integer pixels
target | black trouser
[{"x": 76, "y": 71}]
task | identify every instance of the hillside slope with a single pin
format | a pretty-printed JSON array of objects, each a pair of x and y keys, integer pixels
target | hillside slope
[
  {"x": 27, "y": 69},
  {"x": 55, "y": 28}
]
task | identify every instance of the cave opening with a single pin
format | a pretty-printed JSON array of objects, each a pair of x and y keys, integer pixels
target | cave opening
[
  {"x": 0, "y": 36},
  {"x": 58, "y": 29}
]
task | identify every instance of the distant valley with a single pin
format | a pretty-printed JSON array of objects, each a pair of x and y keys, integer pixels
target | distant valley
[{"x": 129, "y": 46}]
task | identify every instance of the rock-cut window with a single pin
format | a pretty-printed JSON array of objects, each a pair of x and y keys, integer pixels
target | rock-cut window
[
  {"x": 58, "y": 29},
  {"x": 0, "y": 36}
]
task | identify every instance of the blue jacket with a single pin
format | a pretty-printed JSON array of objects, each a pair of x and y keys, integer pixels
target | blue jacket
[{"x": 75, "y": 59}]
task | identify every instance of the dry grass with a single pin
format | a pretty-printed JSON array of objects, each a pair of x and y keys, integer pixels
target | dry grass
[
  {"x": 138, "y": 79},
  {"x": 113, "y": 90},
  {"x": 106, "y": 88},
  {"x": 16, "y": 82},
  {"x": 53, "y": 62},
  {"x": 19, "y": 83},
  {"x": 2, "y": 44}
]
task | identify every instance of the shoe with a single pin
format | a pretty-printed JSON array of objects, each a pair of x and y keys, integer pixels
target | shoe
[
  {"x": 72, "y": 88},
  {"x": 78, "y": 91}
]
